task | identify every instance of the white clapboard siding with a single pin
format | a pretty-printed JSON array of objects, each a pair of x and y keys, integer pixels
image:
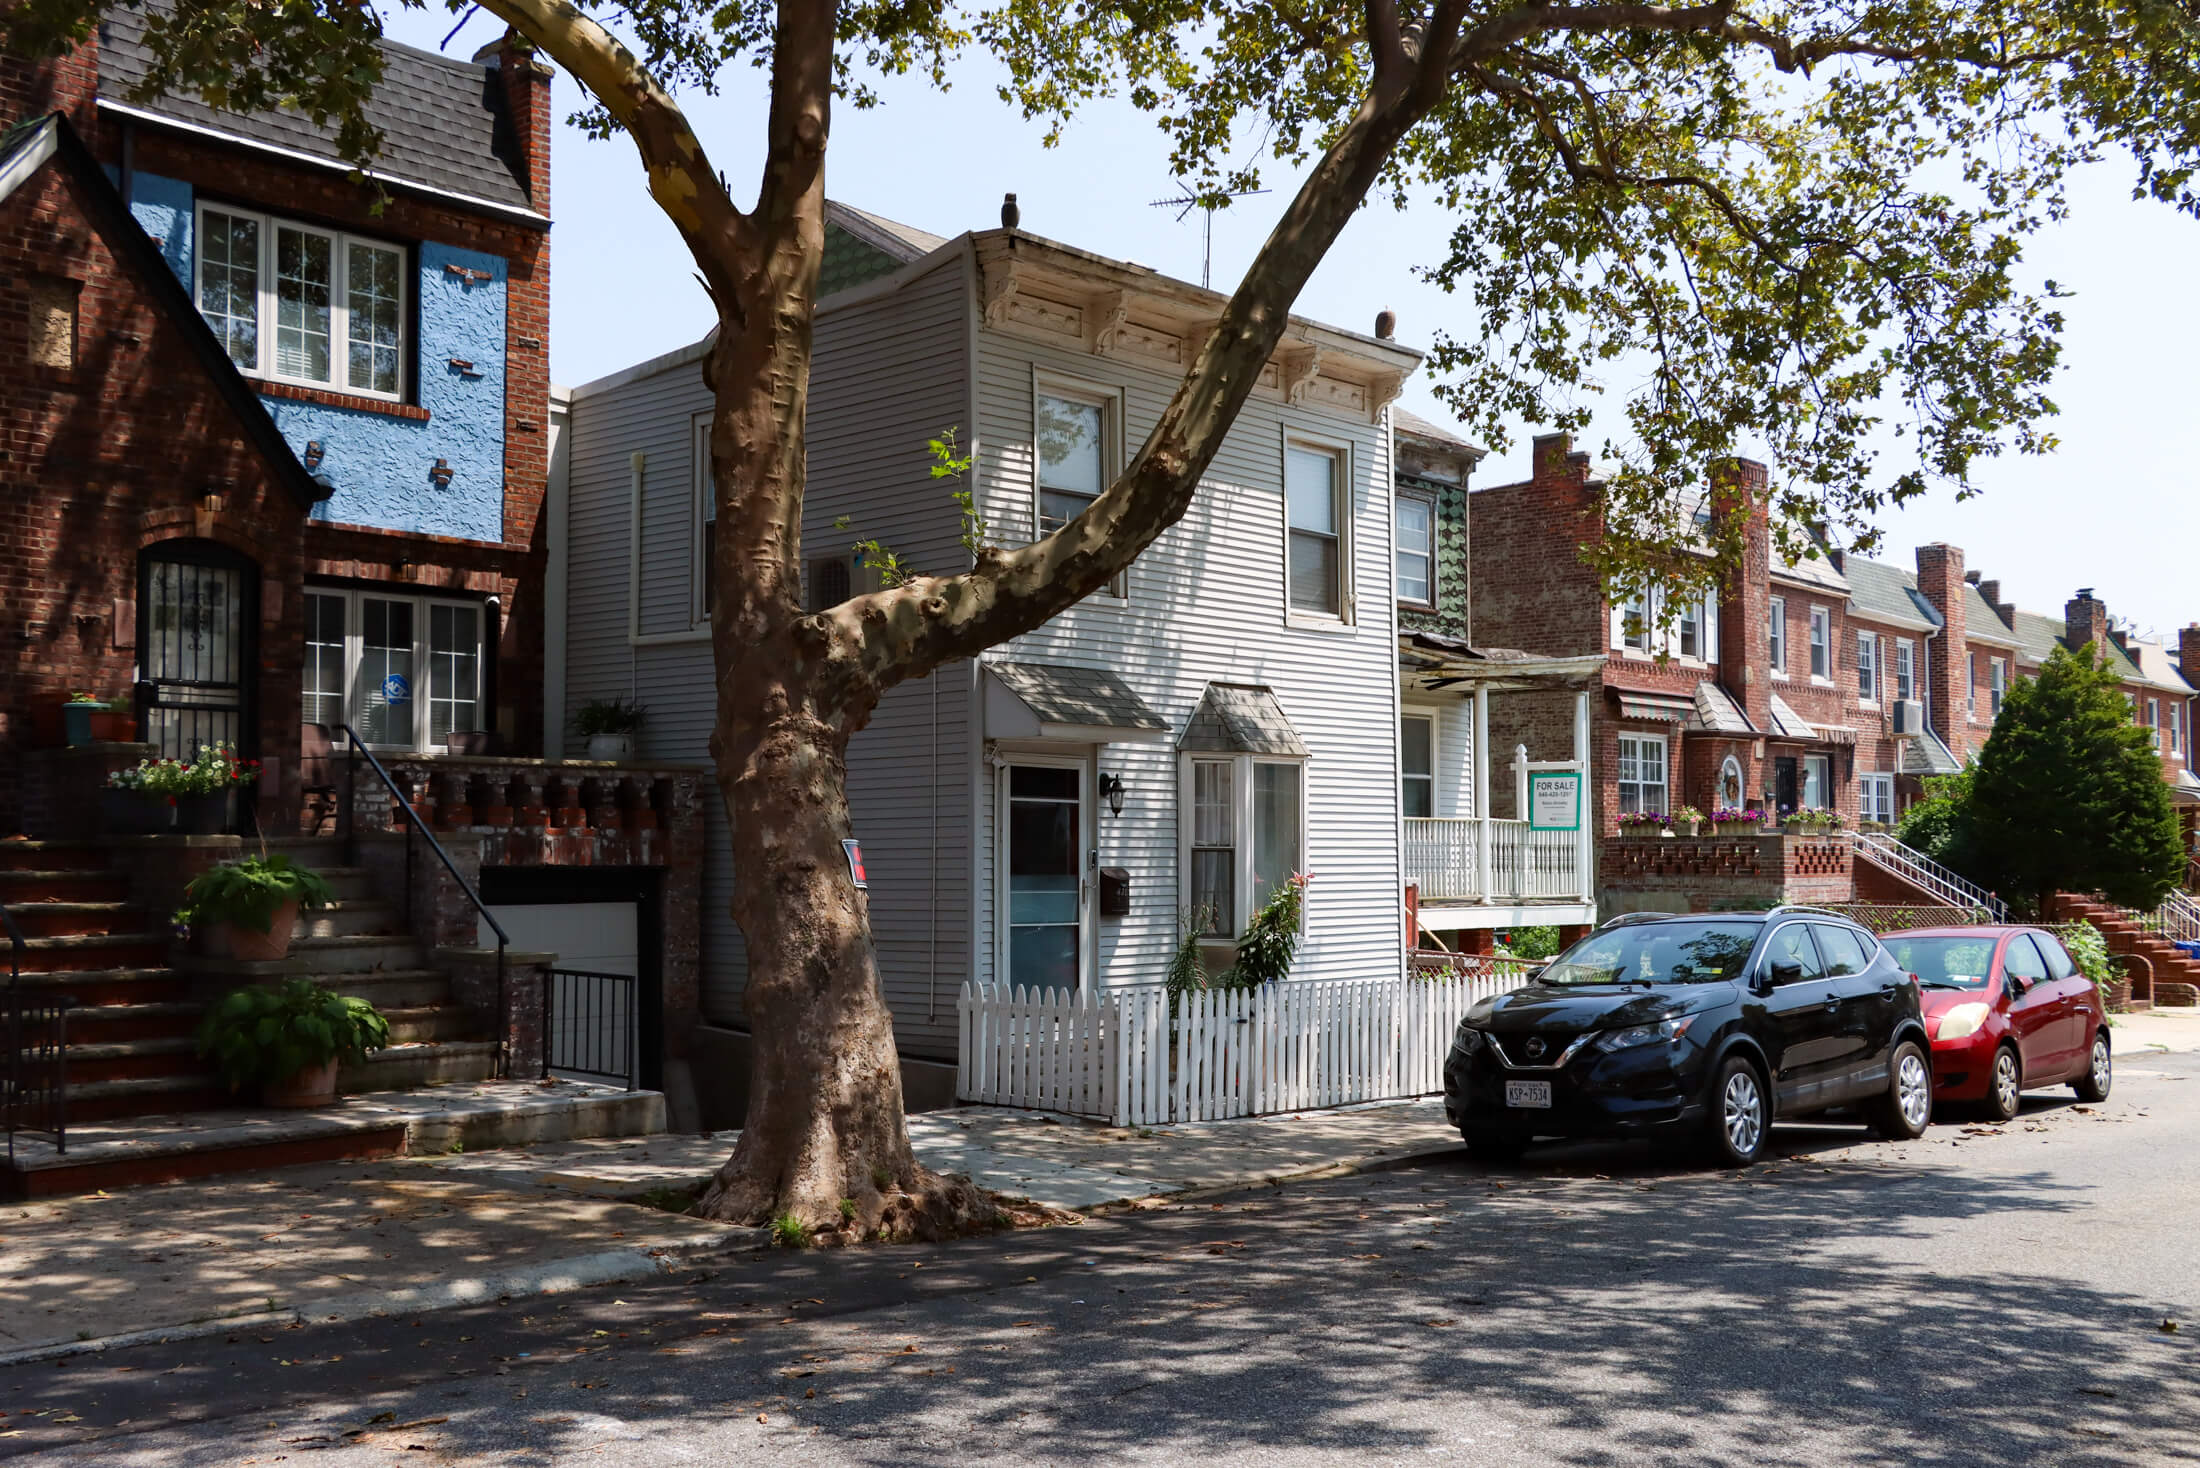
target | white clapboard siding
[{"x": 1125, "y": 1055}]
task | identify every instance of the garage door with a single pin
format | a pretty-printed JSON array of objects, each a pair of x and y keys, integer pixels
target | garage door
[{"x": 591, "y": 1013}]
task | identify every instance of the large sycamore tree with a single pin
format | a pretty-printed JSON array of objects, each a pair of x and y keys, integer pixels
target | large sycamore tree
[{"x": 1793, "y": 226}]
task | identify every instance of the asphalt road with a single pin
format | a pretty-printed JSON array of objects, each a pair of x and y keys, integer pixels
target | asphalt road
[{"x": 1979, "y": 1297}]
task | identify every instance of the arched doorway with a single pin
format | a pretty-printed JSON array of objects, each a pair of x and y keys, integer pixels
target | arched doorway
[{"x": 198, "y": 610}]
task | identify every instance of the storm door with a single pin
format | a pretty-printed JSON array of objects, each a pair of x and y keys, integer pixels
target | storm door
[
  {"x": 1045, "y": 875},
  {"x": 197, "y": 607}
]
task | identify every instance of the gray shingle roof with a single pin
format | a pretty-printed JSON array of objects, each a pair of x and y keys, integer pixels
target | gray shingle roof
[
  {"x": 2038, "y": 636},
  {"x": 1788, "y": 724},
  {"x": 903, "y": 241},
  {"x": 1089, "y": 697},
  {"x": 1718, "y": 713},
  {"x": 1240, "y": 718},
  {"x": 1981, "y": 623},
  {"x": 1926, "y": 755},
  {"x": 442, "y": 119},
  {"x": 2159, "y": 665},
  {"x": 1879, "y": 592},
  {"x": 1419, "y": 427}
]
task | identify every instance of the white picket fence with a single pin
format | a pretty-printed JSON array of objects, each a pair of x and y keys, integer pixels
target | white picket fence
[{"x": 1122, "y": 1056}]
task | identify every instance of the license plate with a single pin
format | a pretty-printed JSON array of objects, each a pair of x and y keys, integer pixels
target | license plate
[{"x": 1528, "y": 1093}]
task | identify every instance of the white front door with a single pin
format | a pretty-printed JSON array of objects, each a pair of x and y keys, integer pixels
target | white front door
[{"x": 1043, "y": 844}]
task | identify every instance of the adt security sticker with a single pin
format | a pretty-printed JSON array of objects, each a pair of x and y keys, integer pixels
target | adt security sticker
[{"x": 395, "y": 689}]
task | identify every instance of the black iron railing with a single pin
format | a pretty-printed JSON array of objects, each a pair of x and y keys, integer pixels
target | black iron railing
[
  {"x": 358, "y": 749},
  {"x": 37, "y": 1076},
  {"x": 591, "y": 1026}
]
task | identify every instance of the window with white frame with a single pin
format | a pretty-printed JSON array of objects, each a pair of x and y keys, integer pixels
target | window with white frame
[
  {"x": 1417, "y": 764},
  {"x": 1905, "y": 668},
  {"x": 2154, "y": 720},
  {"x": 1642, "y": 772},
  {"x": 1867, "y": 667},
  {"x": 1875, "y": 798},
  {"x": 1817, "y": 790},
  {"x": 1688, "y": 629},
  {"x": 405, "y": 671},
  {"x": 1075, "y": 442},
  {"x": 1416, "y": 541},
  {"x": 1776, "y": 625},
  {"x": 2176, "y": 725},
  {"x": 1821, "y": 643},
  {"x": 1635, "y": 617},
  {"x": 1313, "y": 484},
  {"x": 301, "y": 304},
  {"x": 1997, "y": 683},
  {"x": 1246, "y": 835}
]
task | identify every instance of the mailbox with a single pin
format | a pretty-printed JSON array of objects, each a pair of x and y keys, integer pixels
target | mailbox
[{"x": 1115, "y": 892}]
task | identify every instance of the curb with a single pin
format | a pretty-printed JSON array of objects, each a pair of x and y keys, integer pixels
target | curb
[
  {"x": 1387, "y": 1162},
  {"x": 556, "y": 1276}
]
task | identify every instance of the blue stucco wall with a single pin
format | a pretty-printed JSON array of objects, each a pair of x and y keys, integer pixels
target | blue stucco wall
[{"x": 381, "y": 464}]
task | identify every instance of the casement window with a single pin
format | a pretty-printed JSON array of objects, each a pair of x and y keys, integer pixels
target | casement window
[
  {"x": 406, "y": 672},
  {"x": 1998, "y": 684},
  {"x": 1416, "y": 541},
  {"x": 296, "y": 303},
  {"x": 1867, "y": 667},
  {"x": 1313, "y": 490},
  {"x": 1821, "y": 643},
  {"x": 1076, "y": 435},
  {"x": 1417, "y": 764},
  {"x": 1777, "y": 629},
  {"x": 1817, "y": 793},
  {"x": 1875, "y": 798},
  {"x": 1246, "y": 835},
  {"x": 1905, "y": 668},
  {"x": 1642, "y": 771}
]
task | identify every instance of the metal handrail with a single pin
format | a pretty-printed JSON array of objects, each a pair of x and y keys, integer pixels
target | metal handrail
[
  {"x": 1935, "y": 875},
  {"x": 358, "y": 747},
  {"x": 16, "y": 944}
]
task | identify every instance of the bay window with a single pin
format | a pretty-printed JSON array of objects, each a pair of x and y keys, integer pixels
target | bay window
[
  {"x": 406, "y": 672},
  {"x": 1245, "y": 836},
  {"x": 301, "y": 304},
  {"x": 1642, "y": 770}
]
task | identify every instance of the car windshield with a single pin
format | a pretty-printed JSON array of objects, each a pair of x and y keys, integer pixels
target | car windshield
[
  {"x": 1657, "y": 953},
  {"x": 1944, "y": 963}
]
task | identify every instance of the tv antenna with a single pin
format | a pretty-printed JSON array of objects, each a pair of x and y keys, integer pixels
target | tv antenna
[{"x": 1184, "y": 203}]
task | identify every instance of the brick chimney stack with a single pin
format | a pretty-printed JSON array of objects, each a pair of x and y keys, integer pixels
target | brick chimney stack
[
  {"x": 526, "y": 83},
  {"x": 1739, "y": 492},
  {"x": 67, "y": 84},
  {"x": 2085, "y": 619},
  {"x": 2188, "y": 652},
  {"x": 1940, "y": 580}
]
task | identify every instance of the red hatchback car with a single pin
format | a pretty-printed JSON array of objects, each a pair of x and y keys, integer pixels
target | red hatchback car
[{"x": 2008, "y": 1012}]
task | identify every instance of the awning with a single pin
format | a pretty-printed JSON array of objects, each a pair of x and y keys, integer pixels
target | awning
[
  {"x": 1669, "y": 708},
  {"x": 1718, "y": 713},
  {"x": 1239, "y": 718},
  {"x": 1051, "y": 701},
  {"x": 1926, "y": 755},
  {"x": 1788, "y": 724},
  {"x": 2185, "y": 790}
]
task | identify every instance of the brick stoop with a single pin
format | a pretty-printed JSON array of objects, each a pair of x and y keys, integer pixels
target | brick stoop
[{"x": 2174, "y": 973}]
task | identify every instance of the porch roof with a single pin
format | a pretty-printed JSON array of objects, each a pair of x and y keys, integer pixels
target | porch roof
[
  {"x": 1788, "y": 724},
  {"x": 1056, "y": 701},
  {"x": 1926, "y": 755},
  {"x": 1434, "y": 662},
  {"x": 1240, "y": 718},
  {"x": 1718, "y": 713}
]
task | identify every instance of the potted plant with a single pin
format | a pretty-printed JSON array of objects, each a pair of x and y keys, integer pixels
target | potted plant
[
  {"x": 1638, "y": 824},
  {"x": 1689, "y": 819},
  {"x": 195, "y": 799},
  {"x": 248, "y": 909},
  {"x": 89, "y": 719},
  {"x": 289, "y": 1039},
  {"x": 609, "y": 725},
  {"x": 1727, "y": 818}
]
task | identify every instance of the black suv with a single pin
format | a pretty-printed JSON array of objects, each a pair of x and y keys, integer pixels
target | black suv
[{"x": 1715, "y": 1023}]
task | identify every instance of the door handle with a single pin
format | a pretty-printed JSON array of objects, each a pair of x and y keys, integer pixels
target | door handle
[{"x": 1833, "y": 1001}]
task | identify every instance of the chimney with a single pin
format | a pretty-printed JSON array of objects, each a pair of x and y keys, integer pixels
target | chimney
[
  {"x": 1971, "y": 578},
  {"x": 67, "y": 84},
  {"x": 2188, "y": 651},
  {"x": 1551, "y": 453},
  {"x": 2085, "y": 619},
  {"x": 526, "y": 85},
  {"x": 1839, "y": 559},
  {"x": 1739, "y": 494},
  {"x": 1940, "y": 580}
]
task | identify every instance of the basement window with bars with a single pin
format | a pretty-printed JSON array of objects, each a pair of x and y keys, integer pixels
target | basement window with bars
[
  {"x": 296, "y": 303},
  {"x": 406, "y": 672}
]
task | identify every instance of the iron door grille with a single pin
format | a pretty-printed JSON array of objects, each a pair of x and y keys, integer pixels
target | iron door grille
[{"x": 194, "y": 641}]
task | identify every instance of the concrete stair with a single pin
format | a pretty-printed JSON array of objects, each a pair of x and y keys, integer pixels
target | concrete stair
[{"x": 2175, "y": 973}]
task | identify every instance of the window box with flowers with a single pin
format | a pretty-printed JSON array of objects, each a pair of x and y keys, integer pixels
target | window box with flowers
[
  {"x": 1810, "y": 821},
  {"x": 169, "y": 796},
  {"x": 1640, "y": 825},
  {"x": 1733, "y": 820}
]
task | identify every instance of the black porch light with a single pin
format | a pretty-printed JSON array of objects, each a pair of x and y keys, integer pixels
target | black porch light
[{"x": 1111, "y": 789}]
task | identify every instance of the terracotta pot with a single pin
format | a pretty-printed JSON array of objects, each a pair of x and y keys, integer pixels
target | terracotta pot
[
  {"x": 313, "y": 1086},
  {"x": 113, "y": 728},
  {"x": 227, "y": 940}
]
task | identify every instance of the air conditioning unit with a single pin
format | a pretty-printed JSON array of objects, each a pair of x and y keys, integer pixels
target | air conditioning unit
[{"x": 1909, "y": 718}]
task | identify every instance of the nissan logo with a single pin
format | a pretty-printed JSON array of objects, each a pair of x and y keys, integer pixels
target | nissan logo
[{"x": 1535, "y": 1049}]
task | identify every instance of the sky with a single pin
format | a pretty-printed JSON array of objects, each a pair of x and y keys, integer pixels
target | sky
[{"x": 2111, "y": 509}]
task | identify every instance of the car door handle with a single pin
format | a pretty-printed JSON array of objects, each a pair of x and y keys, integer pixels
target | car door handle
[{"x": 1833, "y": 1001}]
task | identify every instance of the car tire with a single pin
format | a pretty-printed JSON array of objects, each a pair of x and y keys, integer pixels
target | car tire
[
  {"x": 2004, "y": 1085},
  {"x": 1907, "y": 1109},
  {"x": 1495, "y": 1148},
  {"x": 2100, "y": 1071},
  {"x": 1740, "y": 1114}
]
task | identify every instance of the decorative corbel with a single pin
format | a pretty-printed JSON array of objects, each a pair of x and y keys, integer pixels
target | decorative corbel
[
  {"x": 1000, "y": 290},
  {"x": 1194, "y": 337},
  {"x": 1105, "y": 317},
  {"x": 1297, "y": 370},
  {"x": 1382, "y": 391}
]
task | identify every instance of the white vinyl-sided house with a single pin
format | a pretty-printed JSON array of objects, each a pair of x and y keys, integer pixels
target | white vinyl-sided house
[{"x": 1055, "y": 813}]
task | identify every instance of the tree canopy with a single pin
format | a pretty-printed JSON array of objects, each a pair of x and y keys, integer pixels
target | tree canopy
[{"x": 2068, "y": 795}]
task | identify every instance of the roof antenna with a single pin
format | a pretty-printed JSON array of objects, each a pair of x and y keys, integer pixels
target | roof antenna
[
  {"x": 1185, "y": 202},
  {"x": 471, "y": 12}
]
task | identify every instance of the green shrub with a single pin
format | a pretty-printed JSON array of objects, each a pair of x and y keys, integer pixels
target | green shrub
[
  {"x": 1532, "y": 943},
  {"x": 609, "y": 716},
  {"x": 1271, "y": 939},
  {"x": 248, "y": 892},
  {"x": 258, "y": 1035},
  {"x": 790, "y": 1232}
]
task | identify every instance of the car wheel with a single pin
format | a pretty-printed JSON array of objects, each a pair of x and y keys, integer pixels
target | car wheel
[
  {"x": 2003, "y": 1085},
  {"x": 1493, "y": 1147},
  {"x": 2099, "y": 1071},
  {"x": 1740, "y": 1113},
  {"x": 1907, "y": 1109}
]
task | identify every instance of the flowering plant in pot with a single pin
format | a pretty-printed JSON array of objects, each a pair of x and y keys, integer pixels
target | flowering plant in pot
[
  {"x": 1689, "y": 819},
  {"x": 1727, "y": 815},
  {"x": 1642, "y": 823},
  {"x": 289, "y": 1039},
  {"x": 89, "y": 719},
  {"x": 248, "y": 909},
  {"x": 609, "y": 725},
  {"x": 196, "y": 797}
]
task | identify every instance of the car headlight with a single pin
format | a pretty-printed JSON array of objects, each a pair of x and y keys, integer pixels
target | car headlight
[
  {"x": 1466, "y": 1039},
  {"x": 1961, "y": 1021},
  {"x": 1666, "y": 1030}
]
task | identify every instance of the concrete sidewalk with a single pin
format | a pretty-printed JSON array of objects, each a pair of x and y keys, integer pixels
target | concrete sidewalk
[{"x": 345, "y": 1241}]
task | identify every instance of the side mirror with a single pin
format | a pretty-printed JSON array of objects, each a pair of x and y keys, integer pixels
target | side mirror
[
  {"x": 1786, "y": 973},
  {"x": 2016, "y": 986}
]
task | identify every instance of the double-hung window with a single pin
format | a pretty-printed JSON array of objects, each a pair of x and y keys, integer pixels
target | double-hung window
[
  {"x": 1875, "y": 798},
  {"x": 1635, "y": 617},
  {"x": 1867, "y": 667},
  {"x": 2154, "y": 720},
  {"x": 406, "y": 672},
  {"x": 1313, "y": 484},
  {"x": 1821, "y": 643},
  {"x": 1642, "y": 772},
  {"x": 1417, "y": 764},
  {"x": 1416, "y": 538},
  {"x": 300, "y": 304},
  {"x": 1905, "y": 668},
  {"x": 1777, "y": 627},
  {"x": 1690, "y": 628},
  {"x": 1247, "y": 837},
  {"x": 1998, "y": 673},
  {"x": 1076, "y": 436},
  {"x": 2176, "y": 725},
  {"x": 1817, "y": 781}
]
